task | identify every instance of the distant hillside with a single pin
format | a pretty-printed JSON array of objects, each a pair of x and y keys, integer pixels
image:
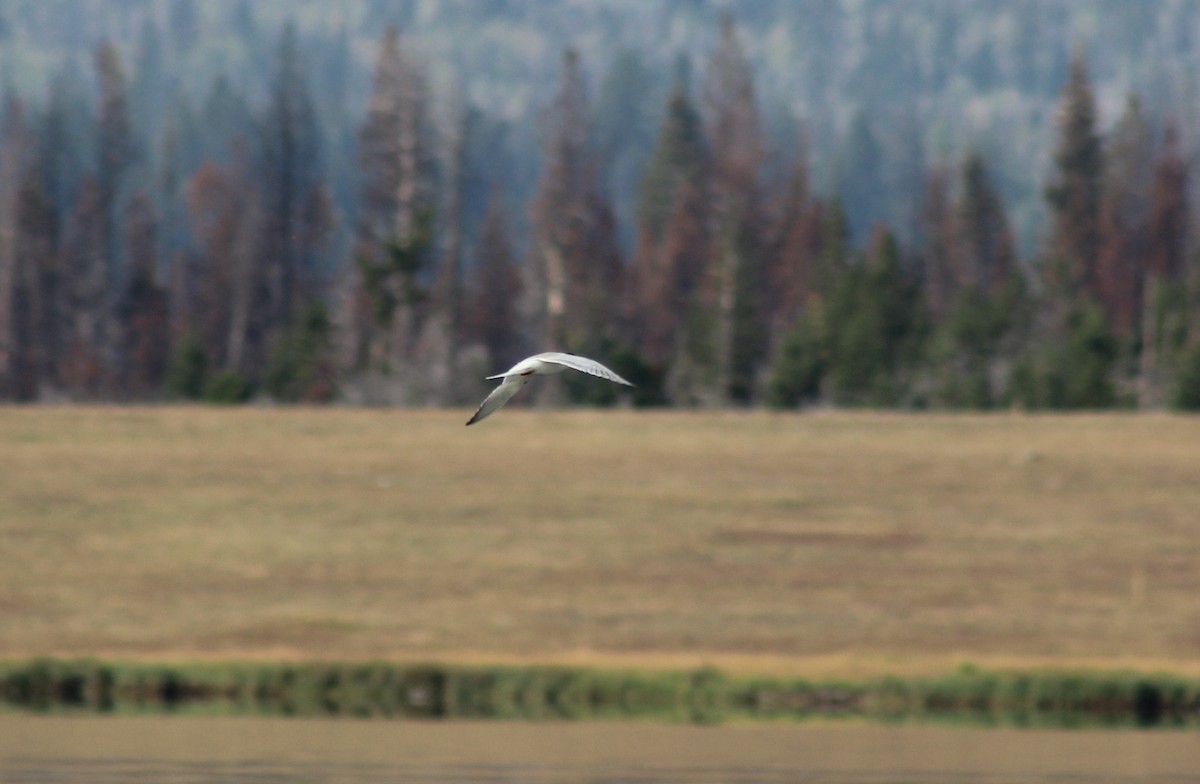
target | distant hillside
[{"x": 930, "y": 78}]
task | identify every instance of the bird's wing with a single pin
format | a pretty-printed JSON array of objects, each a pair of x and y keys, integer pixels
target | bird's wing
[
  {"x": 582, "y": 364},
  {"x": 500, "y": 395}
]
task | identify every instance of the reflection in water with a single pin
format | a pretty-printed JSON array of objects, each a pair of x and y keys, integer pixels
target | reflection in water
[{"x": 291, "y": 751}]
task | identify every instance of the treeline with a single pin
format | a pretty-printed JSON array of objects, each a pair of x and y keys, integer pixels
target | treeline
[
  {"x": 543, "y": 693},
  {"x": 236, "y": 272}
]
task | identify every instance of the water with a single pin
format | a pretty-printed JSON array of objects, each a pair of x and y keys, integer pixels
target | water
[{"x": 185, "y": 750}]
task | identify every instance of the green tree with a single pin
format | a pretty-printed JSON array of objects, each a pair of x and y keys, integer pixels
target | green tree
[
  {"x": 1187, "y": 386},
  {"x": 1088, "y": 359},
  {"x": 801, "y": 365},
  {"x": 188, "y": 369},
  {"x": 987, "y": 252},
  {"x": 875, "y": 329},
  {"x": 968, "y": 346},
  {"x": 389, "y": 292},
  {"x": 301, "y": 369},
  {"x": 678, "y": 157},
  {"x": 673, "y": 216},
  {"x": 227, "y": 388},
  {"x": 1074, "y": 373}
]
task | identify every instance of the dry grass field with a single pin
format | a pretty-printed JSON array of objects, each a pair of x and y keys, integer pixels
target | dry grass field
[{"x": 822, "y": 544}]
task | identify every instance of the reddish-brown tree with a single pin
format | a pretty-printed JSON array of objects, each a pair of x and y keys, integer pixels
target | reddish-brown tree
[
  {"x": 575, "y": 266},
  {"x": 1124, "y": 219},
  {"x": 222, "y": 208}
]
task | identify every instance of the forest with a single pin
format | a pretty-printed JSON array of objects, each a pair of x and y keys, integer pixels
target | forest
[{"x": 244, "y": 201}]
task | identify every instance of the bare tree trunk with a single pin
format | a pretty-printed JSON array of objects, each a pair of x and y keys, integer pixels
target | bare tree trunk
[
  {"x": 456, "y": 136},
  {"x": 728, "y": 262},
  {"x": 244, "y": 276},
  {"x": 1149, "y": 394}
]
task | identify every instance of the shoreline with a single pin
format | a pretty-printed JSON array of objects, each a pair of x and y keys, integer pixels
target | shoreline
[{"x": 1052, "y": 697}]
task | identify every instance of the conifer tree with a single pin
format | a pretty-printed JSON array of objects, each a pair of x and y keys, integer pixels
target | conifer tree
[
  {"x": 938, "y": 232},
  {"x": 495, "y": 289},
  {"x": 1124, "y": 219},
  {"x": 679, "y": 157},
  {"x": 987, "y": 253},
  {"x": 575, "y": 267},
  {"x": 1074, "y": 193},
  {"x": 289, "y": 170},
  {"x": 795, "y": 246},
  {"x": 738, "y": 150},
  {"x": 874, "y": 327},
  {"x": 1163, "y": 280},
  {"x": 40, "y": 319},
  {"x": 142, "y": 306},
  {"x": 672, "y": 250},
  {"x": 388, "y": 287}
]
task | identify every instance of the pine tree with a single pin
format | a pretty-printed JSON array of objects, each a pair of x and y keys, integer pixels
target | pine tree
[
  {"x": 679, "y": 157},
  {"x": 40, "y": 286},
  {"x": 987, "y": 253},
  {"x": 565, "y": 161},
  {"x": 801, "y": 367},
  {"x": 495, "y": 289},
  {"x": 1087, "y": 360},
  {"x": 939, "y": 246},
  {"x": 875, "y": 329},
  {"x": 93, "y": 245},
  {"x": 224, "y": 211},
  {"x": 738, "y": 151},
  {"x": 87, "y": 370},
  {"x": 458, "y": 128},
  {"x": 575, "y": 266},
  {"x": 388, "y": 292},
  {"x": 678, "y": 320},
  {"x": 860, "y": 176},
  {"x": 672, "y": 240},
  {"x": 13, "y": 150},
  {"x": 795, "y": 246},
  {"x": 1124, "y": 219},
  {"x": 114, "y": 144},
  {"x": 396, "y": 149},
  {"x": 142, "y": 306},
  {"x": 1163, "y": 280},
  {"x": 1074, "y": 194},
  {"x": 289, "y": 172},
  {"x": 1168, "y": 215},
  {"x": 64, "y": 140}
]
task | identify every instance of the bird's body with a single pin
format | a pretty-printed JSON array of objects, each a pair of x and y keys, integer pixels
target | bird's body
[{"x": 538, "y": 365}]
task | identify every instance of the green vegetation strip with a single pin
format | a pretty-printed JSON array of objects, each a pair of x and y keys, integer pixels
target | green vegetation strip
[{"x": 433, "y": 691}]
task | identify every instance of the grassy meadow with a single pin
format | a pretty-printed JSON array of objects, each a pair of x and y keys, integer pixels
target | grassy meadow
[{"x": 814, "y": 545}]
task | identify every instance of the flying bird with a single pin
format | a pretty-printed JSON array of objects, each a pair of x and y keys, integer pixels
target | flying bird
[{"x": 538, "y": 365}]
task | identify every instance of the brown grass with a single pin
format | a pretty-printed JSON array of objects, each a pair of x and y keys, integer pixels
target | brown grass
[{"x": 822, "y": 544}]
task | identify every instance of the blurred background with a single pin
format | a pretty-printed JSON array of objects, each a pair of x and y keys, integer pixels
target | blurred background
[
  {"x": 747, "y": 209},
  {"x": 911, "y": 204}
]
